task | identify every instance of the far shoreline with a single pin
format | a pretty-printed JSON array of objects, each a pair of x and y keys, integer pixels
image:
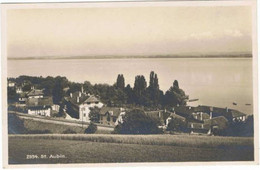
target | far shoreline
[{"x": 135, "y": 57}]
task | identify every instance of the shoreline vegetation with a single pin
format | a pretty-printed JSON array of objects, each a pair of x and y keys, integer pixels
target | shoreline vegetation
[
  {"x": 147, "y": 107},
  {"x": 246, "y": 55}
]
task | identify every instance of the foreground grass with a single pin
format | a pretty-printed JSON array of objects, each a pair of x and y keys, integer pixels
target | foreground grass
[
  {"x": 77, "y": 151},
  {"x": 168, "y": 140}
]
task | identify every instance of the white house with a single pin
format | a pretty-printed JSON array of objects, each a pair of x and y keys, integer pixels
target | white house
[
  {"x": 11, "y": 83},
  {"x": 78, "y": 105},
  {"x": 84, "y": 108},
  {"x": 19, "y": 90}
]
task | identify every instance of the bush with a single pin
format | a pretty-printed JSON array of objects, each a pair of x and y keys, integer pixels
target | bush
[
  {"x": 117, "y": 129},
  {"x": 92, "y": 128},
  {"x": 137, "y": 122},
  {"x": 69, "y": 131},
  {"x": 177, "y": 125}
]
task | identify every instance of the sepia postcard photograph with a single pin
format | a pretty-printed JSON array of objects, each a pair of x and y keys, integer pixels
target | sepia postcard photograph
[{"x": 129, "y": 82}]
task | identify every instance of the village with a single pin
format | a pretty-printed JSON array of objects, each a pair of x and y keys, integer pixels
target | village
[{"x": 78, "y": 106}]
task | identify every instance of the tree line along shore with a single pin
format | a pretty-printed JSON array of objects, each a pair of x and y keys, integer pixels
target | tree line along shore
[{"x": 141, "y": 109}]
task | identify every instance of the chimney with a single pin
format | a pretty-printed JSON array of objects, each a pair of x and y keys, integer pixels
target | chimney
[
  {"x": 210, "y": 115},
  {"x": 159, "y": 114},
  {"x": 79, "y": 94},
  {"x": 71, "y": 95},
  {"x": 189, "y": 107},
  {"x": 200, "y": 115},
  {"x": 226, "y": 109},
  {"x": 77, "y": 99}
]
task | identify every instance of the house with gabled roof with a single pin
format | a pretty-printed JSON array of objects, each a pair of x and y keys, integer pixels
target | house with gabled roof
[
  {"x": 78, "y": 105},
  {"x": 208, "y": 126},
  {"x": 35, "y": 93},
  {"x": 111, "y": 115},
  {"x": 39, "y": 106},
  {"x": 202, "y": 113}
]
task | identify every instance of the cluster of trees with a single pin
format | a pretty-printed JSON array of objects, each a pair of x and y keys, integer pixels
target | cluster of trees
[
  {"x": 141, "y": 94},
  {"x": 239, "y": 128},
  {"x": 52, "y": 86},
  {"x": 151, "y": 96},
  {"x": 137, "y": 122},
  {"x": 118, "y": 94}
]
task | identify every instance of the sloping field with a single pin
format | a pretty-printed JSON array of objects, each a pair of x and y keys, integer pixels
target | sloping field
[
  {"x": 171, "y": 140},
  {"x": 18, "y": 124},
  {"x": 126, "y": 148}
]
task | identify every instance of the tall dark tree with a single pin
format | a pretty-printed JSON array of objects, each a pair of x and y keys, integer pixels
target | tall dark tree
[
  {"x": 120, "y": 82},
  {"x": 140, "y": 85},
  {"x": 176, "y": 84},
  {"x": 130, "y": 94},
  {"x": 153, "y": 91},
  {"x": 151, "y": 82},
  {"x": 175, "y": 96},
  {"x": 140, "y": 90},
  {"x": 58, "y": 92}
]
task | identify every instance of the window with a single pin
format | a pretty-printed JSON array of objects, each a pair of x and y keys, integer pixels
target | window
[
  {"x": 108, "y": 118},
  {"x": 114, "y": 119},
  {"x": 84, "y": 115}
]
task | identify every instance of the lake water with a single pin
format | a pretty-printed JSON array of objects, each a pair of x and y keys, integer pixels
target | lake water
[{"x": 214, "y": 81}]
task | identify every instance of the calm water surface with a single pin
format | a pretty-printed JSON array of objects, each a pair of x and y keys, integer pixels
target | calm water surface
[{"x": 217, "y": 82}]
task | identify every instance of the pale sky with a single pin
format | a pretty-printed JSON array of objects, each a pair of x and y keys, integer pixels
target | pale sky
[{"x": 128, "y": 31}]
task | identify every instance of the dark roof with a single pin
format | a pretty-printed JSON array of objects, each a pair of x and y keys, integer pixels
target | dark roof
[
  {"x": 75, "y": 95},
  {"x": 236, "y": 113},
  {"x": 172, "y": 115},
  {"x": 113, "y": 111},
  {"x": 201, "y": 114},
  {"x": 184, "y": 110},
  {"x": 39, "y": 102},
  {"x": 83, "y": 98},
  {"x": 158, "y": 114},
  {"x": 92, "y": 99},
  {"x": 23, "y": 95},
  {"x": 35, "y": 92},
  {"x": 216, "y": 111},
  {"x": 205, "y": 109},
  {"x": 220, "y": 121}
]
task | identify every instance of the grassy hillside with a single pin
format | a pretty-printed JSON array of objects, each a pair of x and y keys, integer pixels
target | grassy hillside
[
  {"x": 85, "y": 151},
  {"x": 16, "y": 125},
  {"x": 170, "y": 140}
]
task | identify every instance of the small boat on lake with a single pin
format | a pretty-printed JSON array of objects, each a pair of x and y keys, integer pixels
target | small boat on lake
[
  {"x": 234, "y": 103},
  {"x": 248, "y": 104}
]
